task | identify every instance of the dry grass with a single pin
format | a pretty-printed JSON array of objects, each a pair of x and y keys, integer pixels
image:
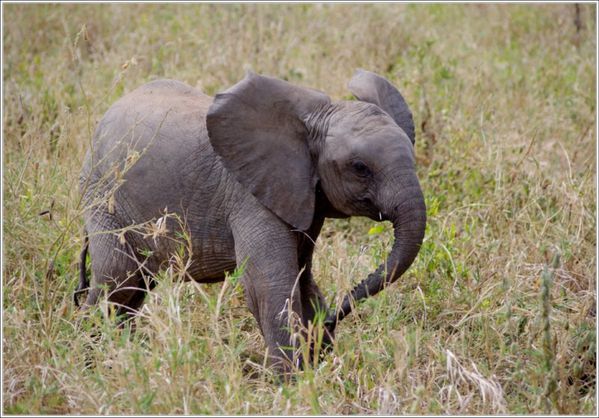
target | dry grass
[{"x": 484, "y": 322}]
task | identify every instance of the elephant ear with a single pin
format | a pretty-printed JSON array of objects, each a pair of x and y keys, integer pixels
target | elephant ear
[
  {"x": 372, "y": 88},
  {"x": 257, "y": 128}
]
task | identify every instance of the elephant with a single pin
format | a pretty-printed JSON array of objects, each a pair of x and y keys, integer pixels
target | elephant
[{"x": 249, "y": 176}]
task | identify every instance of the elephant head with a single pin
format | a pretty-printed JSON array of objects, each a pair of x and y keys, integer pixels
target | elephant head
[{"x": 287, "y": 143}]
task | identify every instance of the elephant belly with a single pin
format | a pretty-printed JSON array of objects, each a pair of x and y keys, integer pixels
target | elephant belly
[
  {"x": 210, "y": 270},
  {"x": 212, "y": 257}
]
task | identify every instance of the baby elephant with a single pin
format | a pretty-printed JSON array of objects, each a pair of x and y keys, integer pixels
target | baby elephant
[{"x": 247, "y": 178}]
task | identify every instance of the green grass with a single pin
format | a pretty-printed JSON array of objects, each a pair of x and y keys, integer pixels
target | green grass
[{"x": 484, "y": 322}]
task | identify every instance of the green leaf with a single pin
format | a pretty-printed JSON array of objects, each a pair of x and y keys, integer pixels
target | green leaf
[{"x": 375, "y": 230}]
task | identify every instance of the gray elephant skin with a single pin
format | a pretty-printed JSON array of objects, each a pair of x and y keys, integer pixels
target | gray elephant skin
[{"x": 250, "y": 176}]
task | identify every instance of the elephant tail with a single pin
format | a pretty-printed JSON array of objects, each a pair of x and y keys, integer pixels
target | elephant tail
[{"x": 83, "y": 280}]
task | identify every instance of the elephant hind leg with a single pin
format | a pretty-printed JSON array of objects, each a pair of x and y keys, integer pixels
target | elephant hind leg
[
  {"x": 118, "y": 274},
  {"x": 131, "y": 307}
]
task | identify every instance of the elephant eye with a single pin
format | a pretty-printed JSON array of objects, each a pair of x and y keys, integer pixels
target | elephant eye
[{"x": 360, "y": 168}]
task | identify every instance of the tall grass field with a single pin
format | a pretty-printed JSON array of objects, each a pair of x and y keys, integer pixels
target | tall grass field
[{"x": 497, "y": 315}]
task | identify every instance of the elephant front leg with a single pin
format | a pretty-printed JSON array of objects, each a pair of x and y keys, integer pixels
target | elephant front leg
[
  {"x": 314, "y": 306},
  {"x": 272, "y": 290},
  {"x": 277, "y": 310},
  {"x": 313, "y": 302},
  {"x": 314, "y": 311}
]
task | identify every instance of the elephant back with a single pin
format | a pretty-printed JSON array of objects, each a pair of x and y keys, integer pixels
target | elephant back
[{"x": 142, "y": 144}]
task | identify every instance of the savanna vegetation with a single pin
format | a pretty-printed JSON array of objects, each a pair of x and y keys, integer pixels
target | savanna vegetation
[{"x": 496, "y": 315}]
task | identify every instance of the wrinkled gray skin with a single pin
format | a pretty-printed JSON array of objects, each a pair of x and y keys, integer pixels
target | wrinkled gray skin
[{"x": 252, "y": 174}]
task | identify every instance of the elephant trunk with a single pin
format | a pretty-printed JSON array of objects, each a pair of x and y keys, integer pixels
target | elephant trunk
[{"x": 409, "y": 223}]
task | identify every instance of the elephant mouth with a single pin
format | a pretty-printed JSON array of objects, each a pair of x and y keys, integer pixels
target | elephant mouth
[{"x": 366, "y": 207}]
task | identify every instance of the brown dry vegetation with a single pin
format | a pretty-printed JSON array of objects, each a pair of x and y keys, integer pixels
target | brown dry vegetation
[{"x": 488, "y": 320}]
